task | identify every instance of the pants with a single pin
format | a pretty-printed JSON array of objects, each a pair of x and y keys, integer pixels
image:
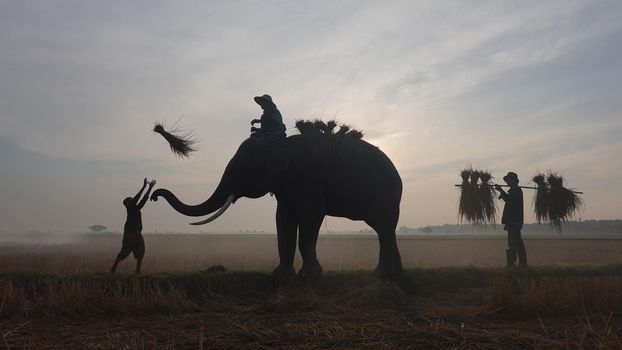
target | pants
[
  {"x": 134, "y": 243},
  {"x": 515, "y": 245}
]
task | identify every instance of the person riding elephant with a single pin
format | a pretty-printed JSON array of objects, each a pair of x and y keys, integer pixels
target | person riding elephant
[
  {"x": 271, "y": 120},
  {"x": 312, "y": 174}
]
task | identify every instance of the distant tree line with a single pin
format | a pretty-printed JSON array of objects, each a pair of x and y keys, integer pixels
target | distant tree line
[{"x": 578, "y": 227}]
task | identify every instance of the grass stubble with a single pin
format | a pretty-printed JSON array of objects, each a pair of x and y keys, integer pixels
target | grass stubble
[{"x": 545, "y": 307}]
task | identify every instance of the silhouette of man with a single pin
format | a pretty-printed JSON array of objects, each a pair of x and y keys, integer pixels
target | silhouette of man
[
  {"x": 271, "y": 120},
  {"x": 512, "y": 219},
  {"x": 133, "y": 241}
]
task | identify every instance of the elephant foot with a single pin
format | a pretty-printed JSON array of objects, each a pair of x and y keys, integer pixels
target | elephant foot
[
  {"x": 389, "y": 271},
  {"x": 284, "y": 272},
  {"x": 310, "y": 271}
]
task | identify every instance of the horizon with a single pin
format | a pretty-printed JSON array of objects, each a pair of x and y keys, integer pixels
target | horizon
[
  {"x": 496, "y": 228},
  {"x": 499, "y": 86}
]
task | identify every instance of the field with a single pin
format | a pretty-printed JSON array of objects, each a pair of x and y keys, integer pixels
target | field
[
  {"x": 454, "y": 294},
  {"x": 74, "y": 254}
]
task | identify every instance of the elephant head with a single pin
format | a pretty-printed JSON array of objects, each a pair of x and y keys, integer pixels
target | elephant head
[{"x": 249, "y": 173}]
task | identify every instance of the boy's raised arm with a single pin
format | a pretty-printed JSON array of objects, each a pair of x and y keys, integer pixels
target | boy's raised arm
[
  {"x": 137, "y": 196},
  {"x": 146, "y": 196}
]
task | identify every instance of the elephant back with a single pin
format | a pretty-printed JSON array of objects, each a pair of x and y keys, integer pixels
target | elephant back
[{"x": 343, "y": 154}]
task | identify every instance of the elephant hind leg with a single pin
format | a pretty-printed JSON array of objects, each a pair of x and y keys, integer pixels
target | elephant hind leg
[
  {"x": 307, "y": 242},
  {"x": 286, "y": 227},
  {"x": 389, "y": 261}
]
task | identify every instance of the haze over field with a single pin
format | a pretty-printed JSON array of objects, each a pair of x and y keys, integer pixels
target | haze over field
[{"x": 521, "y": 86}]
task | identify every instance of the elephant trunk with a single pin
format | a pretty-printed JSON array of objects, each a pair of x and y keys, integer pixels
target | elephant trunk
[{"x": 215, "y": 202}]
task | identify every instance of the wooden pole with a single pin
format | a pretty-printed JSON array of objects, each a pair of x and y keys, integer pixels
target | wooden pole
[{"x": 528, "y": 187}]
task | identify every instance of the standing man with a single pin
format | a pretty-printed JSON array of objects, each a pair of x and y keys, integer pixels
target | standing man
[
  {"x": 271, "y": 120},
  {"x": 512, "y": 220},
  {"x": 133, "y": 241}
]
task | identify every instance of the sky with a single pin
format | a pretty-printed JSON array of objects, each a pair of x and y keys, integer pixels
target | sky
[{"x": 524, "y": 86}]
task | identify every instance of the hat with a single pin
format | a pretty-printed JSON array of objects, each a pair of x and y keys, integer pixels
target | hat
[
  {"x": 510, "y": 175},
  {"x": 261, "y": 100}
]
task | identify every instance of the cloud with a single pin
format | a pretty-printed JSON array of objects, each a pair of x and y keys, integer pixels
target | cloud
[{"x": 500, "y": 85}]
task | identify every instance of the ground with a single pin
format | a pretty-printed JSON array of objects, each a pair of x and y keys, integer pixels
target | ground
[
  {"x": 546, "y": 308},
  {"x": 464, "y": 307}
]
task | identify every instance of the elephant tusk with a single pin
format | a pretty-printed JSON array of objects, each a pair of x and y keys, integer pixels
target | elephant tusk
[{"x": 230, "y": 200}]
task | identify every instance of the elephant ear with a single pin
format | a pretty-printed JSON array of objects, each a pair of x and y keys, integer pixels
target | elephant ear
[{"x": 276, "y": 156}]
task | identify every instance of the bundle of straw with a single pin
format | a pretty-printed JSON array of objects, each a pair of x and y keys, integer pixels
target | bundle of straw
[
  {"x": 487, "y": 196},
  {"x": 464, "y": 204},
  {"x": 477, "y": 216},
  {"x": 562, "y": 202},
  {"x": 477, "y": 199},
  {"x": 319, "y": 127},
  {"x": 541, "y": 200},
  {"x": 181, "y": 140}
]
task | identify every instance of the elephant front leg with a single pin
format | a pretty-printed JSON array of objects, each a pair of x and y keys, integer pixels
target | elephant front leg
[
  {"x": 307, "y": 242},
  {"x": 286, "y": 227}
]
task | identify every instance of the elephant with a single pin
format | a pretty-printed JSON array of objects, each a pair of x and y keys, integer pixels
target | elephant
[{"x": 312, "y": 174}]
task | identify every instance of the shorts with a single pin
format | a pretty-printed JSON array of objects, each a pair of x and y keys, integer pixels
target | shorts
[{"x": 134, "y": 243}]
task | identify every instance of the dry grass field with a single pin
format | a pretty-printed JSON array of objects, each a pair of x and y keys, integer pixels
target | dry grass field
[
  {"x": 453, "y": 295},
  {"x": 89, "y": 253}
]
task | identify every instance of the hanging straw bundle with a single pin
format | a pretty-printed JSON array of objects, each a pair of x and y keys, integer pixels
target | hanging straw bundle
[
  {"x": 487, "y": 196},
  {"x": 477, "y": 197},
  {"x": 562, "y": 202},
  {"x": 541, "y": 200},
  {"x": 466, "y": 194},
  {"x": 181, "y": 140},
  {"x": 477, "y": 216}
]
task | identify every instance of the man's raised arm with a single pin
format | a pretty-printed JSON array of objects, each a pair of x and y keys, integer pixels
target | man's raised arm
[
  {"x": 146, "y": 196},
  {"x": 137, "y": 196}
]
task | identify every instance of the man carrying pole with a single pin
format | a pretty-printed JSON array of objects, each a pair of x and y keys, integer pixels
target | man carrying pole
[{"x": 512, "y": 220}]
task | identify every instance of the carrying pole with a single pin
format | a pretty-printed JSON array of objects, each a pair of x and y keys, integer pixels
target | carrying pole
[{"x": 528, "y": 187}]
